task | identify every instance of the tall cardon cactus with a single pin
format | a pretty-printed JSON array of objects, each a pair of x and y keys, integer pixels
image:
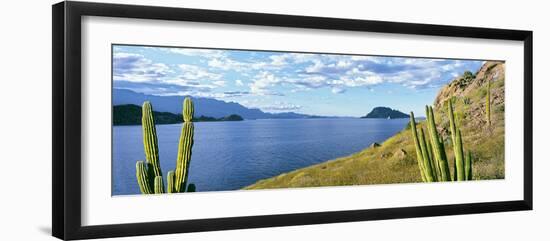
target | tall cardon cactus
[
  {"x": 463, "y": 160},
  {"x": 438, "y": 147},
  {"x": 184, "y": 148},
  {"x": 431, "y": 155},
  {"x": 148, "y": 173},
  {"x": 488, "y": 103}
]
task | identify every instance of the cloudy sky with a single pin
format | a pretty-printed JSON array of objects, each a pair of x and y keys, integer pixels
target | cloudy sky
[{"x": 317, "y": 84}]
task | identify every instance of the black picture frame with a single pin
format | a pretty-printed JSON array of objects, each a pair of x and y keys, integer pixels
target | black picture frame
[{"x": 67, "y": 136}]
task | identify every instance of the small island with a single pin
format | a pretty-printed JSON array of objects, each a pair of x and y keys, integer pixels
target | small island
[
  {"x": 131, "y": 115},
  {"x": 385, "y": 113}
]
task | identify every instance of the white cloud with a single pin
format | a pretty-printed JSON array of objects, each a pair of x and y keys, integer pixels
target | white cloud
[
  {"x": 226, "y": 64},
  {"x": 337, "y": 82},
  {"x": 219, "y": 83},
  {"x": 278, "y": 60},
  {"x": 336, "y": 90},
  {"x": 136, "y": 68},
  {"x": 206, "y": 53},
  {"x": 262, "y": 82},
  {"x": 341, "y": 72},
  {"x": 193, "y": 84},
  {"x": 373, "y": 59},
  {"x": 311, "y": 81},
  {"x": 196, "y": 93},
  {"x": 357, "y": 78},
  {"x": 277, "y": 106},
  {"x": 343, "y": 64},
  {"x": 316, "y": 67},
  {"x": 295, "y": 72},
  {"x": 193, "y": 72},
  {"x": 428, "y": 77}
]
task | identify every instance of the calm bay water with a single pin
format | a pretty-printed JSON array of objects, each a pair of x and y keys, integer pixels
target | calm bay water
[{"x": 232, "y": 155}]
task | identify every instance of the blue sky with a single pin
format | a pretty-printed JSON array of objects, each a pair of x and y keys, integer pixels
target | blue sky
[{"x": 316, "y": 84}]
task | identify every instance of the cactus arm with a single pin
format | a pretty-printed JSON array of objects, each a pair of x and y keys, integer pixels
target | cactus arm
[
  {"x": 443, "y": 162},
  {"x": 459, "y": 156},
  {"x": 427, "y": 162},
  {"x": 454, "y": 172},
  {"x": 159, "y": 185},
  {"x": 150, "y": 142},
  {"x": 188, "y": 110},
  {"x": 143, "y": 178},
  {"x": 437, "y": 145},
  {"x": 471, "y": 166},
  {"x": 185, "y": 146},
  {"x": 488, "y": 103},
  {"x": 184, "y": 156},
  {"x": 170, "y": 185},
  {"x": 434, "y": 162},
  {"x": 452, "y": 120},
  {"x": 419, "y": 158},
  {"x": 468, "y": 166}
]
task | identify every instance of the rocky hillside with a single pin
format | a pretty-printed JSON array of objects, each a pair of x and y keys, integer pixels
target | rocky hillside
[
  {"x": 472, "y": 93},
  {"x": 394, "y": 161}
]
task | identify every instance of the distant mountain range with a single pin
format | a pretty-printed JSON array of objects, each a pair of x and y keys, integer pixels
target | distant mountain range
[
  {"x": 131, "y": 115},
  {"x": 203, "y": 106},
  {"x": 386, "y": 113}
]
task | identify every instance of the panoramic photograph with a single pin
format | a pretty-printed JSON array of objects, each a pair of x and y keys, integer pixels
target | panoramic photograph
[{"x": 199, "y": 120}]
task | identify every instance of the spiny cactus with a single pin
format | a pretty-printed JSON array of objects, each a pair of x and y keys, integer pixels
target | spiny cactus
[
  {"x": 435, "y": 165},
  {"x": 463, "y": 163},
  {"x": 424, "y": 157},
  {"x": 150, "y": 142},
  {"x": 159, "y": 185},
  {"x": 488, "y": 103},
  {"x": 459, "y": 157},
  {"x": 438, "y": 147},
  {"x": 419, "y": 157},
  {"x": 149, "y": 174},
  {"x": 185, "y": 146},
  {"x": 451, "y": 120},
  {"x": 170, "y": 182},
  {"x": 143, "y": 178},
  {"x": 427, "y": 162},
  {"x": 468, "y": 166},
  {"x": 431, "y": 156}
]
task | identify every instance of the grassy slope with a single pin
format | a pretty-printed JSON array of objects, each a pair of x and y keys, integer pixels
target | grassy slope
[{"x": 395, "y": 160}]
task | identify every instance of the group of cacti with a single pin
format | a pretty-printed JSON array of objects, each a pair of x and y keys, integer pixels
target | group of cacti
[
  {"x": 430, "y": 152},
  {"x": 148, "y": 173}
]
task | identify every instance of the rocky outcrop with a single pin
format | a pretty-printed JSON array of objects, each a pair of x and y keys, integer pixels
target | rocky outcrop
[{"x": 471, "y": 93}]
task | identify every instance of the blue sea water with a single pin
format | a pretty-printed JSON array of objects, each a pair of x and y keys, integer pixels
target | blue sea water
[{"x": 232, "y": 155}]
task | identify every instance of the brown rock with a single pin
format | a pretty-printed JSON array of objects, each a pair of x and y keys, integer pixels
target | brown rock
[{"x": 401, "y": 154}]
